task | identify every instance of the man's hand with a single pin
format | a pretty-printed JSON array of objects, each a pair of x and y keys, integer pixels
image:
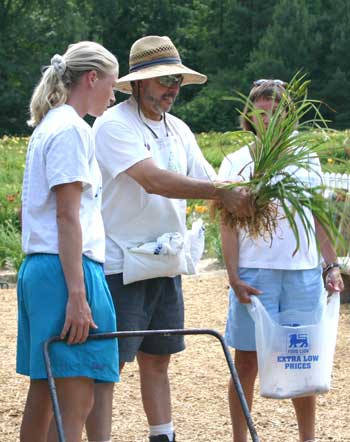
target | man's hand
[
  {"x": 78, "y": 320},
  {"x": 237, "y": 201},
  {"x": 334, "y": 280},
  {"x": 244, "y": 291}
]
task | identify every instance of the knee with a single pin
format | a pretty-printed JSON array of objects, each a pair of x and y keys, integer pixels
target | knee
[
  {"x": 79, "y": 411},
  {"x": 246, "y": 365},
  {"x": 87, "y": 405},
  {"x": 154, "y": 365}
]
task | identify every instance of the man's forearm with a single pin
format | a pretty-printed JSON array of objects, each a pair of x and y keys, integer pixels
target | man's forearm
[{"x": 174, "y": 185}]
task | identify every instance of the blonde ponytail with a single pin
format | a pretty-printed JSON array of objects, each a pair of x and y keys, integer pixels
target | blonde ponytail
[
  {"x": 49, "y": 93},
  {"x": 63, "y": 74}
]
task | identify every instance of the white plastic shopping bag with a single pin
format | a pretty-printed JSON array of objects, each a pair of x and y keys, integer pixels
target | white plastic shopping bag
[{"x": 295, "y": 349}]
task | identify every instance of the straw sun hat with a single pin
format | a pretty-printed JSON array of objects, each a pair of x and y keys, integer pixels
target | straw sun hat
[{"x": 155, "y": 56}]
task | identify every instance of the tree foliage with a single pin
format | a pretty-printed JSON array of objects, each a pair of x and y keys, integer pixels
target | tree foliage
[{"x": 232, "y": 41}]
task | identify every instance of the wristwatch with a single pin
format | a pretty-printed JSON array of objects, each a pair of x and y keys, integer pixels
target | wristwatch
[{"x": 331, "y": 266}]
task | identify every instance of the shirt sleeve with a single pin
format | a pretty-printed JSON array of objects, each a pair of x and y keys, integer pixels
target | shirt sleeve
[
  {"x": 237, "y": 166},
  {"x": 118, "y": 147},
  {"x": 67, "y": 158},
  {"x": 224, "y": 171}
]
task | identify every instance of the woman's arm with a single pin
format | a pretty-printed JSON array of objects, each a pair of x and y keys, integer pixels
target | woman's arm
[
  {"x": 78, "y": 314},
  {"x": 334, "y": 281},
  {"x": 230, "y": 250}
]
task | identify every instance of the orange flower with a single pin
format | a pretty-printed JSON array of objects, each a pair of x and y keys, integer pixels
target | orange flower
[
  {"x": 201, "y": 209},
  {"x": 188, "y": 210}
]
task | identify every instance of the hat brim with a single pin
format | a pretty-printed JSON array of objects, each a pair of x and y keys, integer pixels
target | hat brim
[{"x": 190, "y": 76}]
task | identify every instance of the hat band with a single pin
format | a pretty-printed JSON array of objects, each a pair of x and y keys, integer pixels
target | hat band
[{"x": 169, "y": 60}]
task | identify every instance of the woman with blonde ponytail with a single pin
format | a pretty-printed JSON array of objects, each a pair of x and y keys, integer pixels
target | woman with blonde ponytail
[{"x": 61, "y": 285}]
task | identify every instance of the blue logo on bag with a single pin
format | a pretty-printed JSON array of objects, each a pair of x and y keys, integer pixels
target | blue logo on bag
[{"x": 298, "y": 340}]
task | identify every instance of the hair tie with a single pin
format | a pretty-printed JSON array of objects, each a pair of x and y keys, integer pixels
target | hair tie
[{"x": 58, "y": 64}]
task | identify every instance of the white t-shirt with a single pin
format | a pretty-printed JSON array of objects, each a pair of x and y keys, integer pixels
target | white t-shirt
[
  {"x": 61, "y": 150},
  {"x": 260, "y": 252},
  {"x": 129, "y": 213}
]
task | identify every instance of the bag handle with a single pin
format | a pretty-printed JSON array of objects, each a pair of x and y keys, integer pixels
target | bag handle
[
  {"x": 257, "y": 311},
  {"x": 333, "y": 304}
]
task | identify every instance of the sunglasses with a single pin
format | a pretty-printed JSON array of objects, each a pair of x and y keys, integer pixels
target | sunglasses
[
  {"x": 275, "y": 82},
  {"x": 170, "y": 80}
]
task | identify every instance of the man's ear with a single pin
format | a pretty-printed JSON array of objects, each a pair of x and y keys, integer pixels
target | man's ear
[{"x": 140, "y": 84}]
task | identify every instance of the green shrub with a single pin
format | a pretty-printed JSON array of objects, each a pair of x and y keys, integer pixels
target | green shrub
[
  {"x": 338, "y": 161},
  {"x": 10, "y": 245},
  {"x": 198, "y": 209},
  {"x": 12, "y": 160},
  {"x": 207, "y": 110},
  {"x": 215, "y": 146}
]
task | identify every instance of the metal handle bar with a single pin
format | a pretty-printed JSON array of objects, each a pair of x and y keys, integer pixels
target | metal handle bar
[{"x": 129, "y": 334}]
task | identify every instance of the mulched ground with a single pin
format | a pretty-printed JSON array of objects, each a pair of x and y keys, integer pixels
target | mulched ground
[{"x": 199, "y": 380}]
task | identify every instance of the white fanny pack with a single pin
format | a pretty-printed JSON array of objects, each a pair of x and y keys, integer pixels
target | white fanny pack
[{"x": 164, "y": 257}]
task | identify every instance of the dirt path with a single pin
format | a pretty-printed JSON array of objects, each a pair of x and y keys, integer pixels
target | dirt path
[{"x": 199, "y": 378}]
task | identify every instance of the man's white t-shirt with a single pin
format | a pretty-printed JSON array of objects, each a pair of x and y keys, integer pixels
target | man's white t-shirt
[
  {"x": 278, "y": 254},
  {"x": 129, "y": 212},
  {"x": 61, "y": 150}
]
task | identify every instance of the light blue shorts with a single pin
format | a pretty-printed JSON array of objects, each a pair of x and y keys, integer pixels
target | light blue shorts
[
  {"x": 42, "y": 298},
  {"x": 282, "y": 290}
]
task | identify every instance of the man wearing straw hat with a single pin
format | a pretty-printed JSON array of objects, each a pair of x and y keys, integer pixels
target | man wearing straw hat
[{"x": 150, "y": 164}]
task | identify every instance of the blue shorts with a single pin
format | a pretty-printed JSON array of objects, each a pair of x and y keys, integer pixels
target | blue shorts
[
  {"x": 152, "y": 304},
  {"x": 42, "y": 298},
  {"x": 282, "y": 290}
]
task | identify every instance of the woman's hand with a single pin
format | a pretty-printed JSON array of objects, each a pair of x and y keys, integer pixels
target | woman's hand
[
  {"x": 78, "y": 319},
  {"x": 244, "y": 291},
  {"x": 334, "y": 280}
]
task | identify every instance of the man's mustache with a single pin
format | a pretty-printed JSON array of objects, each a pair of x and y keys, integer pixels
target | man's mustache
[{"x": 169, "y": 95}]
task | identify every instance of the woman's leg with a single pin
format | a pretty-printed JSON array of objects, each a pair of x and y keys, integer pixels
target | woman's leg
[
  {"x": 37, "y": 413},
  {"x": 247, "y": 368},
  {"x": 75, "y": 396},
  {"x": 99, "y": 422},
  {"x": 303, "y": 289},
  {"x": 305, "y": 410},
  {"x": 240, "y": 333}
]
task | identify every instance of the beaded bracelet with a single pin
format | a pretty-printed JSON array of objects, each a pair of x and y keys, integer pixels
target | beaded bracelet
[{"x": 331, "y": 266}]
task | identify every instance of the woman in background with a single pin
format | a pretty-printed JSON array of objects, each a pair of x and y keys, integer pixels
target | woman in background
[{"x": 269, "y": 269}]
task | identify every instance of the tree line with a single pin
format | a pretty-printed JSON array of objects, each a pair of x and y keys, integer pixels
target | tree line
[{"x": 234, "y": 42}]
